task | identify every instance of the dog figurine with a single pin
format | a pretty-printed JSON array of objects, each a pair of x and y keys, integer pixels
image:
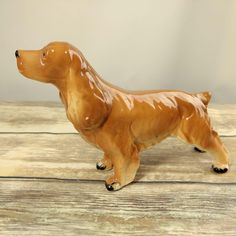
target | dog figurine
[{"x": 120, "y": 122}]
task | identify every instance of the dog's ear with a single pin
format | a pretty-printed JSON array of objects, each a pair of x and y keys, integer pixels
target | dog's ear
[
  {"x": 95, "y": 107},
  {"x": 95, "y": 104}
]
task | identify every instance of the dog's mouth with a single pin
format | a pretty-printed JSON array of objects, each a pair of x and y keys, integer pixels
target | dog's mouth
[{"x": 20, "y": 66}]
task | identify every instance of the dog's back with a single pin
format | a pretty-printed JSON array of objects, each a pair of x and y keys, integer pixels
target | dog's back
[{"x": 154, "y": 115}]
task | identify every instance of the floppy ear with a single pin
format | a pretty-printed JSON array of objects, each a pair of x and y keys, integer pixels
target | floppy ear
[
  {"x": 95, "y": 107},
  {"x": 94, "y": 102}
]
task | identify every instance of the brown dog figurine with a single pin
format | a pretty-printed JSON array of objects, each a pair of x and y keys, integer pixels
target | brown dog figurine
[{"x": 120, "y": 122}]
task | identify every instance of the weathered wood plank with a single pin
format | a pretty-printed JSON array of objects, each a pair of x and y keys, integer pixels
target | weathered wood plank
[
  {"x": 84, "y": 208},
  {"x": 68, "y": 156},
  {"x": 155, "y": 205},
  {"x": 34, "y": 117},
  {"x": 223, "y": 118},
  {"x": 50, "y": 117}
]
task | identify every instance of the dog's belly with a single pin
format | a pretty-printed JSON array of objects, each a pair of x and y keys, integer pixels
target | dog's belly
[{"x": 155, "y": 127}]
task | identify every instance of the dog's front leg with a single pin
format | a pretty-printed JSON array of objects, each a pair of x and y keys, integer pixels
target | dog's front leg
[
  {"x": 105, "y": 163},
  {"x": 125, "y": 168}
]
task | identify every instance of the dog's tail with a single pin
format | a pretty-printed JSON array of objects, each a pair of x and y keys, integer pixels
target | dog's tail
[{"x": 205, "y": 97}]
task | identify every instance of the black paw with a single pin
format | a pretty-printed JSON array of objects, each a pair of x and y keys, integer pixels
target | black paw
[
  {"x": 113, "y": 187},
  {"x": 100, "y": 167},
  {"x": 109, "y": 187},
  {"x": 219, "y": 170},
  {"x": 198, "y": 150}
]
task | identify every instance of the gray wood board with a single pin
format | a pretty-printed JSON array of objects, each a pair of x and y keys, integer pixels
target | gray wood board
[
  {"x": 83, "y": 208},
  {"x": 51, "y": 117},
  {"x": 49, "y": 184},
  {"x": 69, "y": 156}
]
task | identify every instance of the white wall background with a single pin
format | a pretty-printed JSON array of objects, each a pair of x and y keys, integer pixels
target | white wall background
[{"x": 136, "y": 44}]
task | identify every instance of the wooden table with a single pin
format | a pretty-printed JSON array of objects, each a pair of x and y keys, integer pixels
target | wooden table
[{"x": 49, "y": 184}]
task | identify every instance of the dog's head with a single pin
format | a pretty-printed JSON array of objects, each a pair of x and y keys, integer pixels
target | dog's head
[
  {"x": 48, "y": 64},
  {"x": 61, "y": 63}
]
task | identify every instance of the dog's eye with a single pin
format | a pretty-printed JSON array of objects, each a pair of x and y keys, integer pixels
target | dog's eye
[{"x": 44, "y": 54}]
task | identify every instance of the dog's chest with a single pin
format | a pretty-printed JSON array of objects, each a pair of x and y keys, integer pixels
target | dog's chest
[
  {"x": 73, "y": 116},
  {"x": 71, "y": 104},
  {"x": 72, "y": 112}
]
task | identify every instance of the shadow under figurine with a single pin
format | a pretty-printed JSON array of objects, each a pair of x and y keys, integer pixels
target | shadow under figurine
[{"x": 120, "y": 122}]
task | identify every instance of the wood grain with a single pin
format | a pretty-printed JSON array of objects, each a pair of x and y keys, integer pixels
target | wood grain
[
  {"x": 68, "y": 156},
  {"x": 49, "y": 184},
  {"x": 84, "y": 208},
  {"x": 34, "y": 117},
  {"x": 51, "y": 117}
]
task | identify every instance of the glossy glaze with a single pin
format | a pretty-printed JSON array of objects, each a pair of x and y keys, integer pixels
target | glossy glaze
[{"x": 121, "y": 122}]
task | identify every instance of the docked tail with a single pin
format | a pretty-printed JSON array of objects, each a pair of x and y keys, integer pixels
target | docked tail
[{"x": 205, "y": 97}]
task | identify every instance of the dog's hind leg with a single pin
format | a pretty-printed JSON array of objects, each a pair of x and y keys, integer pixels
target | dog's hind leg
[
  {"x": 217, "y": 149},
  {"x": 204, "y": 138},
  {"x": 220, "y": 153}
]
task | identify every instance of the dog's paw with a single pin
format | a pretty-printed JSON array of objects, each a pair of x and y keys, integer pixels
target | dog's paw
[
  {"x": 104, "y": 165},
  {"x": 113, "y": 187},
  {"x": 198, "y": 150},
  {"x": 220, "y": 170},
  {"x": 100, "y": 166}
]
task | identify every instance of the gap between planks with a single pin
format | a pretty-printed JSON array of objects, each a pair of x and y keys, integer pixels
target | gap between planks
[{"x": 52, "y": 179}]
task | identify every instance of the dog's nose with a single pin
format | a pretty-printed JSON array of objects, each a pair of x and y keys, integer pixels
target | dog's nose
[{"x": 17, "y": 53}]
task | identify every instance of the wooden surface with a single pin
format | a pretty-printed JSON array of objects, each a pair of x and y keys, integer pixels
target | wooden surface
[{"x": 49, "y": 184}]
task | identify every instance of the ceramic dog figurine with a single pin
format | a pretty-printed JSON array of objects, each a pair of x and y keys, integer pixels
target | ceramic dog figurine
[{"x": 120, "y": 122}]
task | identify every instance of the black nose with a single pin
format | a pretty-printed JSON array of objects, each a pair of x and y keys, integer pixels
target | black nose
[{"x": 17, "y": 53}]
